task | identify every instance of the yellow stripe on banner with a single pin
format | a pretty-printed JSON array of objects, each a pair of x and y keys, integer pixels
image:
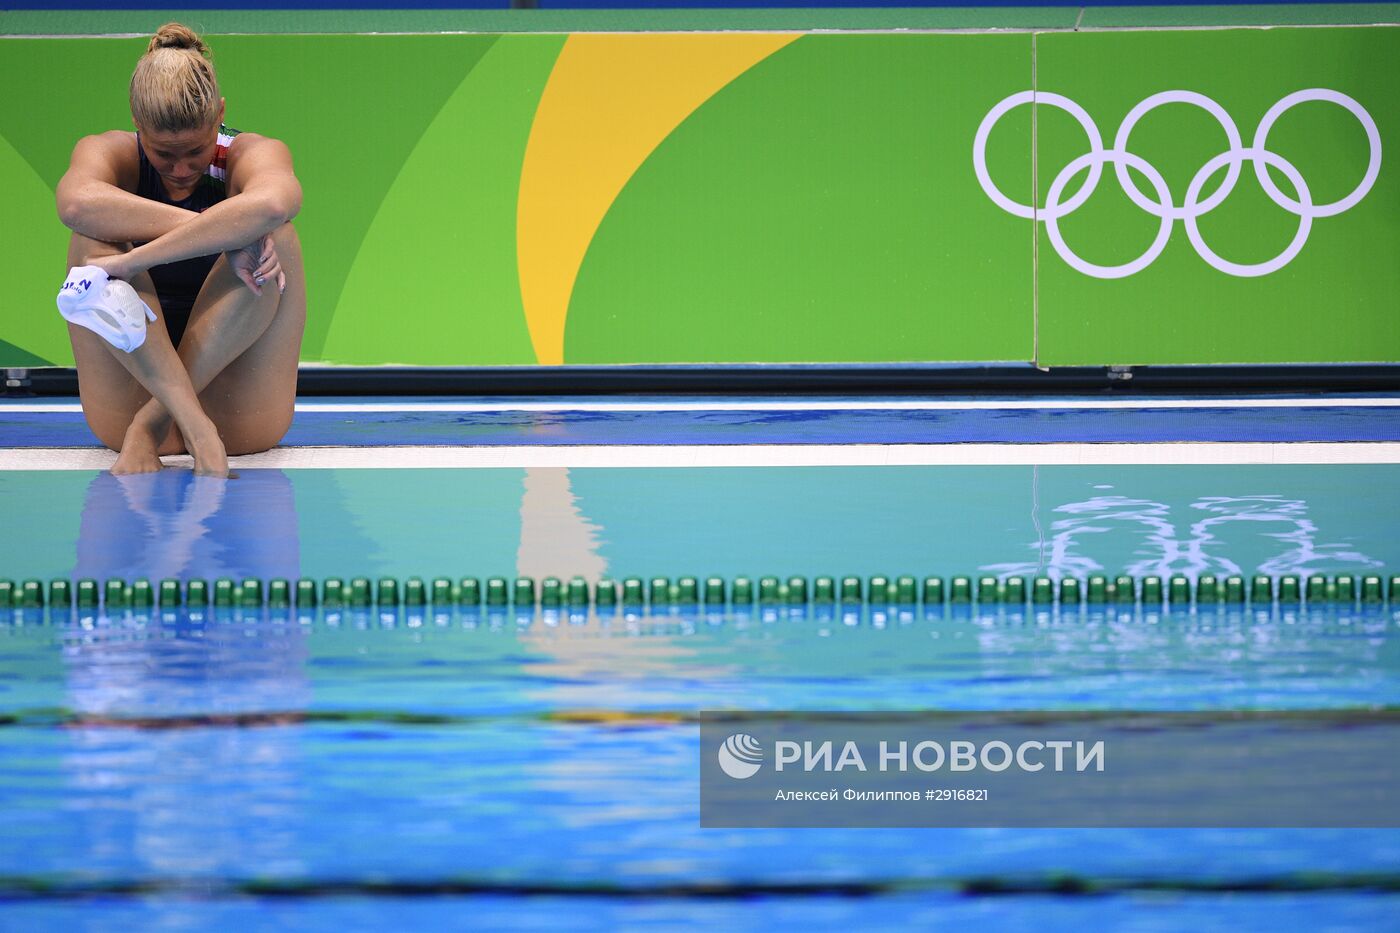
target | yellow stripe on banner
[{"x": 610, "y": 101}]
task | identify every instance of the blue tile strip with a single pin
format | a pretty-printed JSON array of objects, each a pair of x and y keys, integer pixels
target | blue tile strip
[{"x": 649, "y": 428}]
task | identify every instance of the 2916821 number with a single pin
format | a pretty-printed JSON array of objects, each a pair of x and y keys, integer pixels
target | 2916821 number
[{"x": 946, "y": 794}]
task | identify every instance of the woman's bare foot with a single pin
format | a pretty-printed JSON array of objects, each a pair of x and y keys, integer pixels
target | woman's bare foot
[
  {"x": 138, "y": 453},
  {"x": 207, "y": 448}
]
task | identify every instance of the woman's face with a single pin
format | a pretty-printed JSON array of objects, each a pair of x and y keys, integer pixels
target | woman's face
[{"x": 181, "y": 158}]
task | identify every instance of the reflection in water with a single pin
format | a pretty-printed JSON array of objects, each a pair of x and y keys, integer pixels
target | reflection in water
[
  {"x": 575, "y": 661},
  {"x": 556, "y": 540},
  {"x": 174, "y": 524},
  {"x": 159, "y": 780},
  {"x": 1305, "y": 553},
  {"x": 1158, "y": 547}
]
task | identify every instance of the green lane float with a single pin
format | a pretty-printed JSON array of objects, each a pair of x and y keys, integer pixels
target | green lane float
[
  {"x": 306, "y": 593},
  {"x": 496, "y": 591},
  {"x": 333, "y": 593},
  {"x": 1175, "y": 593},
  {"x": 60, "y": 594},
  {"x": 578, "y": 593},
  {"x": 359, "y": 594},
  {"x": 250, "y": 594},
  {"x": 31, "y": 595},
  {"x": 142, "y": 597},
  {"x": 386, "y": 592},
  {"x": 551, "y": 593},
  {"x": 114, "y": 596},
  {"x": 605, "y": 593},
  {"x": 279, "y": 594}
]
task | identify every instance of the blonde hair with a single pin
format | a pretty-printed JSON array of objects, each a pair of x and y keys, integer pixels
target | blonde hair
[{"x": 174, "y": 87}]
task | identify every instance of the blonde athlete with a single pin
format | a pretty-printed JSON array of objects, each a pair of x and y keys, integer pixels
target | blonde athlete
[{"x": 197, "y": 217}]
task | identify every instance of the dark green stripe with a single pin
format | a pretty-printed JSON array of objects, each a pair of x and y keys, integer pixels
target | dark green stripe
[
  {"x": 273, "y": 22},
  {"x": 15, "y": 355},
  {"x": 86, "y": 23}
]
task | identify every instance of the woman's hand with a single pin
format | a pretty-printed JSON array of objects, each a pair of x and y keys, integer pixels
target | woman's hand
[{"x": 256, "y": 264}]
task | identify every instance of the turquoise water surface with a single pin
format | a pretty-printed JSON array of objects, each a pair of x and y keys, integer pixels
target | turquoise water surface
[{"x": 337, "y": 768}]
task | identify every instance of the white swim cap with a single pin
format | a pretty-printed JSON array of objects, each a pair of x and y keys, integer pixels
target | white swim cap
[{"x": 110, "y": 309}]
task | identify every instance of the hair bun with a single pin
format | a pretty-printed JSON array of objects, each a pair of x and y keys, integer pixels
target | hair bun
[{"x": 177, "y": 36}]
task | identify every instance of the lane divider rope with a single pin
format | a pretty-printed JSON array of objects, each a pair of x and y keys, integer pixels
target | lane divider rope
[{"x": 713, "y": 593}]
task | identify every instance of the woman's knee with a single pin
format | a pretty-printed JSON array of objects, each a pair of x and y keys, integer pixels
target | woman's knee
[
  {"x": 110, "y": 430},
  {"x": 288, "y": 243},
  {"x": 249, "y": 436},
  {"x": 82, "y": 250}
]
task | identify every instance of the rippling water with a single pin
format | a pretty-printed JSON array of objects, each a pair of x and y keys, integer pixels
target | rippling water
[
  {"x": 171, "y": 769},
  {"x": 357, "y": 744}
]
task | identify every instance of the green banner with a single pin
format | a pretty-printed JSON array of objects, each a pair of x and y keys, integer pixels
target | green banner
[
  {"x": 732, "y": 197},
  {"x": 1283, "y": 237}
]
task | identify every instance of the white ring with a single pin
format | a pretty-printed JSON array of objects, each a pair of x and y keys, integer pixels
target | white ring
[
  {"x": 1193, "y": 232},
  {"x": 1373, "y": 136},
  {"x": 984, "y": 129},
  {"x": 1052, "y": 223},
  {"x": 1120, "y": 142}
]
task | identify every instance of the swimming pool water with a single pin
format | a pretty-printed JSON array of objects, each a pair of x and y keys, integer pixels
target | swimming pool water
[
  {"x": 1219, "y": 519},
  {"x": 181, "y": 769}
]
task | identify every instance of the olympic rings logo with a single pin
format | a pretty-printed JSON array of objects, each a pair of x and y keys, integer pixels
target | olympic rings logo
[{"x": 1192, "y": 207}]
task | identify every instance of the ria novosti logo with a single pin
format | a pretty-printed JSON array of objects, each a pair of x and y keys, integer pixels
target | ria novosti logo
[{"x": 740, "y": 756}]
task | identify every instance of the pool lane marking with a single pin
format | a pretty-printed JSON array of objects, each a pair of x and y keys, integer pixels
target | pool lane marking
[
  {"x": 853, "y": 405},
  {"x": 751, "y": 455}
]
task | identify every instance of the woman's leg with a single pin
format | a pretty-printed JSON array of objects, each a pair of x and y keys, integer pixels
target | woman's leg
[
  {"x": 241, "y": 352},
  {"x": 114, "y": 385}
]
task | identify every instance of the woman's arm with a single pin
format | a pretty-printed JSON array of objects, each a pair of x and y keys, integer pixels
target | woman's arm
[
  {"x": 269, "y": 195},
  {"x": 92, "y": 202}
]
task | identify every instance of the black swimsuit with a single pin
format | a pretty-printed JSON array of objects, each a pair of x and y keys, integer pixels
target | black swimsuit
[{"x": 178, "y": 283}]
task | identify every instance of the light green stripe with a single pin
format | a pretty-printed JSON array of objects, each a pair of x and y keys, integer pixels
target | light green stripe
[
  {"x": 33, "y": 249},
  {"x": 437, "y": 269}
]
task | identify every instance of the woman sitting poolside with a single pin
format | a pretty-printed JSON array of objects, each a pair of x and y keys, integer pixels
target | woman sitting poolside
[{"x": 196, "y": 217}]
